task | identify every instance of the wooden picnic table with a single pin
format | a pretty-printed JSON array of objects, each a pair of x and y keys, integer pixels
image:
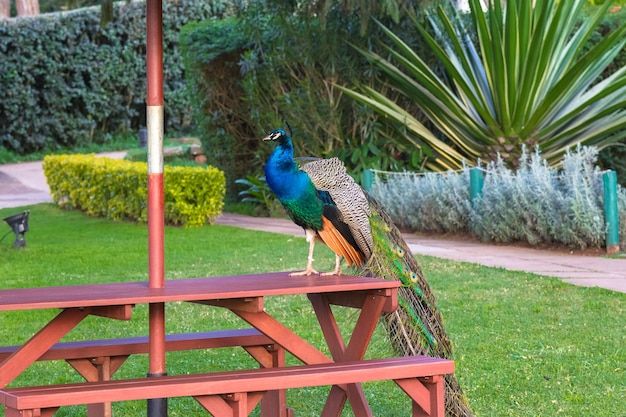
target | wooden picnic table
[{"x": 243, "y": 295}]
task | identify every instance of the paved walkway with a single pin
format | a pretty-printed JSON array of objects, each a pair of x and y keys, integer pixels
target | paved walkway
[
  {"x": 575, "y": 269},
  {"x": 24, "y": 184}
]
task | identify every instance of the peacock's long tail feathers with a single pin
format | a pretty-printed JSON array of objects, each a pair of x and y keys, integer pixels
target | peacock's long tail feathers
[{"x": 416, "y": 327}]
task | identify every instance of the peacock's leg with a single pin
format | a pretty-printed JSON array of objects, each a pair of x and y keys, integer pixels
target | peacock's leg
[
  {"x": 310, "y": 237},
  {"x": 337, "y": 270}
]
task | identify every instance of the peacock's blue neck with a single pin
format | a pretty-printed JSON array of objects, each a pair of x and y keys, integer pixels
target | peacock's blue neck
[{"x": 282, "y": 174}]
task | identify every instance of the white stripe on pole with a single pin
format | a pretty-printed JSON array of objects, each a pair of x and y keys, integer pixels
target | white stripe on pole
[{"x": 154, "y": 121}]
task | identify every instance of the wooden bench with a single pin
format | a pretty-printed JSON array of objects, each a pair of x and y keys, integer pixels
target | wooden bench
[
  {"x": 89, "y": 349},
  {"x": 237, "y": 393},
  {"x": 98, "y": 360}
]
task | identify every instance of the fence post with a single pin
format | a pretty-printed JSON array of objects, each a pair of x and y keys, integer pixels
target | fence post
[
  {"x": 609, "y": 180},
  {"x": 476, "y": 183},
  {"x": 367, "y": 179}
]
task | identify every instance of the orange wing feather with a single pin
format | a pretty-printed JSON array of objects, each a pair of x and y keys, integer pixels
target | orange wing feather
[{"x": 338, "y": 244}]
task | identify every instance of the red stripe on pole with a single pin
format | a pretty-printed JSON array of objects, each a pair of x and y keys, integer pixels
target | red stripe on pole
[
  {"x": 154, "y": 52},
  {"x": 156, "y": 271},
  {"x": 156, "y": 241},
  {"x": 157, "y": 331}
]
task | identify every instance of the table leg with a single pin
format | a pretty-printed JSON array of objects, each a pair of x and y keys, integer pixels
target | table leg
[
  {"x": 337, "y": 399},
  {"x": 274, "y": 403},
  {"x": 363, "y": 329},
  {"x": 427, "y": 394},
  {"x": 22, "y": 358},
  {"x": 357, "y": 346},
  {"x": 94, "y": 370}
]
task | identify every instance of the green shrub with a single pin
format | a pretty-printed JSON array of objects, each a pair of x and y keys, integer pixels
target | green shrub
[
  {"x": 279, "y": 63},
  {"x": 65, "y": 80},
  {"x": 118, "y": 189},
  {"x": 211, "y": 51},
  {"x": 537, "y": 203}
]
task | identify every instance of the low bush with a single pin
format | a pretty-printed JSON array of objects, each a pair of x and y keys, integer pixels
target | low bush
[
  {"x": 537, "y": 203},
  {"x": 118, "y": 189}
]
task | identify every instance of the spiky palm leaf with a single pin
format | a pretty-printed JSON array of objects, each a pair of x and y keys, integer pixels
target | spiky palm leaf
[{"x": 529, "y": 82}]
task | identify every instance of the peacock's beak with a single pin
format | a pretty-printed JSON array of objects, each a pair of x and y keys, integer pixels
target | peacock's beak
[
  {"x": 271, "y": 136},
  {"x": 274, "y": 135}
]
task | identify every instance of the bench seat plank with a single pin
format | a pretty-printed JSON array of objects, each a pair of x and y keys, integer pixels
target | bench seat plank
[
  {"x": 140, "y": 344},
  {"x": 255, "y": 380}
]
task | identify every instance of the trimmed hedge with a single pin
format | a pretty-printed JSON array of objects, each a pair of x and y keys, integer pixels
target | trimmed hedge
[
  {"x": 65, "y": 80},
  {"x": 118, "y": 189}
]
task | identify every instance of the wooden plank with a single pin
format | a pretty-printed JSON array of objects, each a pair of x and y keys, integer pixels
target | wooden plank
[
  {"x": 193, "y": 289},
  {"x": 252, "y": 305},
  {"x": 117, "y": 312},
  {"x": 139, "y": 345},
  {"x": 355, "y": 299},
  {"x": 255, "y": 380}
]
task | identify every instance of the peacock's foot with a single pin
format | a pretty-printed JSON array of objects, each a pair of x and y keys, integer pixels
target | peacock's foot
[
  {"x": 307, "y": 272},
  {"x": 335, "y": 272}
]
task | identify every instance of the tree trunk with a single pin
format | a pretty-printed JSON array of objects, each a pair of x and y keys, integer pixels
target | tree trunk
[
  {"x": 5, "y": 9},
  {"x": 27, "y": 7}
]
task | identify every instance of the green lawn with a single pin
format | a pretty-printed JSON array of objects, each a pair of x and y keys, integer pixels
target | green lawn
[{"x": 525, "y": 345}]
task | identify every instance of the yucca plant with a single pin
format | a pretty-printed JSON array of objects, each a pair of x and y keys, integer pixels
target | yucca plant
[{"x": 528, "y": 79}]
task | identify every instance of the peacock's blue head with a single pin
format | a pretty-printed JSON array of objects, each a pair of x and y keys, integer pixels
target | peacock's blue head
[{"x": 277, "y": 135}]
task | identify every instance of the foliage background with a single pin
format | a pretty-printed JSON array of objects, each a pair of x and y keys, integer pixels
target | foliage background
[
  {"x": 65, "y": 80},
  {"x": 278, "y": 62},
  {"x": 75, "y": 83}
]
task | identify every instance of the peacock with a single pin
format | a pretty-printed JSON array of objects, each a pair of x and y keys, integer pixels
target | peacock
[{"x": 322, "y": 198}]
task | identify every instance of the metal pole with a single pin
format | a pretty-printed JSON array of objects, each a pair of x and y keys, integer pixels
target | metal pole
[
  {"x": 609, "y": 180},
  {"x": 367, "y": 180},
  {"x": 156, "y": 223},
  {"x": 476, "y": 183}
]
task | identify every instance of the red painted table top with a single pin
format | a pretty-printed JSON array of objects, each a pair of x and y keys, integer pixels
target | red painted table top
[{"x": 192, "y": 289}]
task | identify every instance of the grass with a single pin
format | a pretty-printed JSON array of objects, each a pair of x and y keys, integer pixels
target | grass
[{"x": 526, "y": 345}]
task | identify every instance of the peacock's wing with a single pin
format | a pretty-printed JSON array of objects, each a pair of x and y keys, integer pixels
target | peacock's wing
[{"x": 330, "y": 176}]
